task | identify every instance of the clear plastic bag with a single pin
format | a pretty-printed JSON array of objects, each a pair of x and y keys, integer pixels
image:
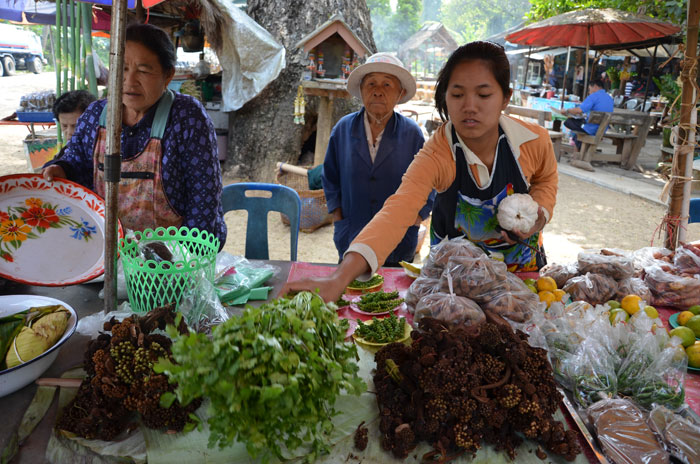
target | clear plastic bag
[
  {"x": 443, "y": 251},
  {"x": 201, "y": 306},
  {"x": 651, "y": 256},
  {"x": 612, "y": 265},
  {"x": 671, "y": 290},
  {"x": 592, "y": 288},
  {"x": 680, "y": 434},
  {"x": 471, "y": 276},
  {"x": 633, "y": 286},
  {"x": 509, "y": 298},
  {"x": 449, "y": 308},
  {"x": 687, "y": 259},
  {"x": 236, "y": 277},
  {"x": 623, "y": 433},
  {"x": 560, "y": 272},
  {"x": 589, "y": 373},
  {"x": 420, "y": 287}
]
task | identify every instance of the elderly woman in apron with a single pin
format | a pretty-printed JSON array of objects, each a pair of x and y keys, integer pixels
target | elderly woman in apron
[
  {"x": 170, "y": 174},
  {"x": 474, "y": 160}
]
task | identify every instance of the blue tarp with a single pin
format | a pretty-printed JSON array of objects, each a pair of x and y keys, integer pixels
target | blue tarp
[{"x": 38, "y": 12}]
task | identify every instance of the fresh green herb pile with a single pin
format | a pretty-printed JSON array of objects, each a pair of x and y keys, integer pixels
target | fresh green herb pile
[
  {"x": 376, "y": 279},
  {"x": 272, "y": 375},
  {"x": 379, "y": 302},
  {"x": 384, "y": 330}
]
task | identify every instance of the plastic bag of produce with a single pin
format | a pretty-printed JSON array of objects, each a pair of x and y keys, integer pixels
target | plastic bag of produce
[
  {"x": 687, "y": 259},
  {"x": 623, "y": 434},
  {"x": 592, "y": 288},
  {"x": 606, "y": 263},
  {"x": 509, "y": 298},
  {"x": 680, "y": 434},
  {"x": 589, "y": 373},
  {"x": 420, "y": 287},
  {"x": 671, "y": 290},
  {"x": 632, "y": 286},
  {"x": 443, "y": 251},
  {"x": 560, "y": 272},
  {"x": 449, "y": 308},
  {"x": 653, "y": 371},
  {"x": 472, "y": 276}
]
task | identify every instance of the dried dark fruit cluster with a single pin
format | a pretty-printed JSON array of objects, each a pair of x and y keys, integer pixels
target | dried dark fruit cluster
[
  {"x": 121, "y": 382},
  {"x": 458, "y": 386}
]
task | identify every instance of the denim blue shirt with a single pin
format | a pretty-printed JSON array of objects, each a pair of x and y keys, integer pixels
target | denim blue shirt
[
  {"x": 190, "y": 165},
  {"x": 597, "y": 101},
  {"x": 360, "y": 187}
]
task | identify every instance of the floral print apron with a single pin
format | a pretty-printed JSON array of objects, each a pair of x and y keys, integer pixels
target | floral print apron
[
  {"x": 142, "y": 200},
  {"x": 466, "y": 209}
]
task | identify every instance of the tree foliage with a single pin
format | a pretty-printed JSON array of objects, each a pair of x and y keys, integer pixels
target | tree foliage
[
  {"x": 671, "y": 10},
  {"x": 476, "y": 19},
  {"x": 391, "y": 28}
]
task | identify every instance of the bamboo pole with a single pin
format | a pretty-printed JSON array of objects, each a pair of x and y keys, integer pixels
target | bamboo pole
[
  {"x": 64, "y": 44},
  {"x": 677, "y": 216},
  {"x": 87, "y": 41},
  {"x": 75, "y": 48},
  {"x": 57, "y": 62},
  {"x": 113, "y": 151},
  {"x": 80, "y": 50},
  {"x": 584, "y": 94}
]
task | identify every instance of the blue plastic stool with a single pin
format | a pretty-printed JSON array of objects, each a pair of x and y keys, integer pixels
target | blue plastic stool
[
  {"x": 694, "y": 210},
  {"x": 284, "y": 200}
]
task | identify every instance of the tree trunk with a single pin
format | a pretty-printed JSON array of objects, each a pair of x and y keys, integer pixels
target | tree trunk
[{"x": 263, "y": 132}]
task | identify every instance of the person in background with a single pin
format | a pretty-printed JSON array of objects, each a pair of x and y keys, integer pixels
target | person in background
[
  {"x": 477, "y": 158},
  {"x": 369, "y": 152},
  {"x": 170, "y": 173},
  {"x": 67, "y": 109},
  {"x": 597, "y": 100}
]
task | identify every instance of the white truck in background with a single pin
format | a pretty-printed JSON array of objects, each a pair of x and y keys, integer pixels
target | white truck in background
[{"x": 19, "y": 49}]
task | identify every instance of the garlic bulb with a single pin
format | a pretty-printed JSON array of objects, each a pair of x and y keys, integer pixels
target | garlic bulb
[{"x": 518, "y": 212}]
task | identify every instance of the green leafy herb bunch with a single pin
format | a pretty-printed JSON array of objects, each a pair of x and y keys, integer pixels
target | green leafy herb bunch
[{"x": 272, "y": 375}]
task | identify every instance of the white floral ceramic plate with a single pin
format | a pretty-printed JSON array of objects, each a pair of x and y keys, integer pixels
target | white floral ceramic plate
[{"x": 51, "y": 233}]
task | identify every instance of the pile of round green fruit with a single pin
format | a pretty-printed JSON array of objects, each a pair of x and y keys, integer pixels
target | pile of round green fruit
[
  {"x": 620, "y": 311},
  {"x": 688, "y": 330}
]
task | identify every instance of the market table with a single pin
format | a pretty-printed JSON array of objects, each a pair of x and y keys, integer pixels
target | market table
[{"x": 84, "y": 299}]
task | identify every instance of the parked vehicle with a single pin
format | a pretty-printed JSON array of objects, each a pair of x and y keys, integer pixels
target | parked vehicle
[{"x": 19, "y": 49}]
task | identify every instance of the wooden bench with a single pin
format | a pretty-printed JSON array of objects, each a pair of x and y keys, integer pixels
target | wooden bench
[
  {"x": 628, "y": 132},
  {"x": 541, "y": 116}
]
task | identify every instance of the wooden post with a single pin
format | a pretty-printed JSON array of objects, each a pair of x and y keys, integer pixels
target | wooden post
[
  {"x": 324, "y": 124},
  {"x": 683, "y": 156}
]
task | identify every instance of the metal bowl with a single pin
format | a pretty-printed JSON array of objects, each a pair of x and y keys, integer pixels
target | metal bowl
[{"x": 17, "y": 377}]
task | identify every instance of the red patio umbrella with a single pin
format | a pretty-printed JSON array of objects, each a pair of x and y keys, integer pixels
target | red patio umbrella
[{"x": 592, "y": 27}]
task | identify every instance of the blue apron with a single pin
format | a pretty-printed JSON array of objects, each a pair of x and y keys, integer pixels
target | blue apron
[{"x": 466, "y": 209}]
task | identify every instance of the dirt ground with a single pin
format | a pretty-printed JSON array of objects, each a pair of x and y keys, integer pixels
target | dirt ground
[{"x": 586, "y": 216}]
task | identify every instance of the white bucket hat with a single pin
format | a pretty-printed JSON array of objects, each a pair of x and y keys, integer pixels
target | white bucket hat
[{"x": 382, "y": 63}]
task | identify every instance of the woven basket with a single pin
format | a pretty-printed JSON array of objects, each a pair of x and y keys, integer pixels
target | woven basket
[
  {"x": 314, "y": 212},
  {"x": 151, "y": 284}
]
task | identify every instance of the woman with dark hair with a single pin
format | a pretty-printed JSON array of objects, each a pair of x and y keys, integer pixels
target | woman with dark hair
[
  {"x": 170, "y": 173},
  {"x": 474, "y": 160}
]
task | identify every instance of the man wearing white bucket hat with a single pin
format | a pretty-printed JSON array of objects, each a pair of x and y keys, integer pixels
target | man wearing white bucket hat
[{"x": 369, "y": 151}]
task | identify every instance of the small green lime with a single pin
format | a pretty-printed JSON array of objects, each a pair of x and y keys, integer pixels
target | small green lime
[
  {"x": 618, "y": 315},
  {"x": 532, "y": 288},
  {"x": 530, "y": 282},
  {"x": 695, "y": 309},
  {"x": 694, "y": 325},
  {"x": 614, "y": 304},
  {"x": 685, "y": 334}
]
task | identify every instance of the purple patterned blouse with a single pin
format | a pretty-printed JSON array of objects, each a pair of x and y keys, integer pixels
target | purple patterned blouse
[{"x": 191, "y": 172}]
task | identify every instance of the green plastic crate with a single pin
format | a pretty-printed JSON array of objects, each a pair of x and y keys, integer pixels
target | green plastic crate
[{"x": 151, "y": 284}]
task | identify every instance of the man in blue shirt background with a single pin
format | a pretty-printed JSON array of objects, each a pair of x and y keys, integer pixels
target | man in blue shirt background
[{"x": 597, "y": 100}]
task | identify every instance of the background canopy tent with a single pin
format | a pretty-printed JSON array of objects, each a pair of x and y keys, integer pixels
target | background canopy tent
[
  {"x": 591, "y": 27},
  {"x": 33, "y": 12}
]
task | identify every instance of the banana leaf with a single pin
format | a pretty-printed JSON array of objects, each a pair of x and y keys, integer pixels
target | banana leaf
[{"x": 10, "y": 326}]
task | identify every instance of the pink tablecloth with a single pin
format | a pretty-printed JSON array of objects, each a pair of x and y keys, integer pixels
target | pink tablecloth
[{"x": 396, "y": 279}]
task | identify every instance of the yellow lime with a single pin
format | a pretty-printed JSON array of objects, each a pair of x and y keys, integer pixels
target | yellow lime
[
  {"x": 685, "y": 334},
  {"x": 630, "y": 303},
  {"x": 613, "y": 304},
  {"x": 546, "y": 284},
  {"x": 651, "y": 312},
  {"x": 684, "y": 317},
  {"x": 530, "y": 281},
  {"x": 559, "y": 294},
  {"x": 695, "y": 309},
  {"x": 694, "y": 324},
  {"x": 693, "y": 353},
  {"x": 547, "y": 297},
  {"x": 618, "y": 315}
]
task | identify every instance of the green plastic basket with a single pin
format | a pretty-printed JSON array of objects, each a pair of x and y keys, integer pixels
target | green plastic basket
[{"x": 151, "y": 284}]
